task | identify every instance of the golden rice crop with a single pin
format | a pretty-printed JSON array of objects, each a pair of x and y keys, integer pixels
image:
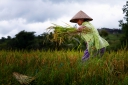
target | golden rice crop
[
  {"x": 61, "y": 32},
  {"x": 64, "y": 67}
]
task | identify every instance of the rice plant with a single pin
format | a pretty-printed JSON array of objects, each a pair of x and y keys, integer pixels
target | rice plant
[
  {"x": 64, "y": 68},
  {"x": 61, "y": 33}
]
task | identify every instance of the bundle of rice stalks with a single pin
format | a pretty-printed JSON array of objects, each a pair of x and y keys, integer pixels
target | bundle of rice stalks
[
  {"x": 61, "y": 33},
  {"x": 23, "y": 79}
]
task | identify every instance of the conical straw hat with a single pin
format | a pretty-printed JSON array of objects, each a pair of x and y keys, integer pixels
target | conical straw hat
[{"x": 81, "y": 15}]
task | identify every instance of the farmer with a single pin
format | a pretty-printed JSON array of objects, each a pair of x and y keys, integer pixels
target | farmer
[{"x": 96, "y": 45}]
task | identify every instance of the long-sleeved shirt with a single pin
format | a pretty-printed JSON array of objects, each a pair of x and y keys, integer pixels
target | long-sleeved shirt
[{"x": 92, "y": 37}]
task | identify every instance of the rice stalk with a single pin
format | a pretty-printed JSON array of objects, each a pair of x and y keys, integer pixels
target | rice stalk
[{"x": 61, "y": 33}]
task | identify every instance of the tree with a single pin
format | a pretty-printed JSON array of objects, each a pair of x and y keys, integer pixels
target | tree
[
  {"x": 25, "y": 40},
  {"x": 103, "y": 33},
  {"x": 124, "y": 25}
]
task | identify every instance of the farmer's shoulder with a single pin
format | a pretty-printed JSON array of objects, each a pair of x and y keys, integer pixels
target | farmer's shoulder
[{"x": 87, "y": 25}]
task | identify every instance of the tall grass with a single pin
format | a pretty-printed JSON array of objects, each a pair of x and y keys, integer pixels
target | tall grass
[{"x": 64, "y": 68}]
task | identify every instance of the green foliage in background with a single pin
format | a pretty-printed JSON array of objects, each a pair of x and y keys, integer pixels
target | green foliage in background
[{"x": 124, "y": 26}]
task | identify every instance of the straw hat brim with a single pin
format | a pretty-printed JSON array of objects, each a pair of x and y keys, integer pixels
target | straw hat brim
[{"x": 81, "y": 15}]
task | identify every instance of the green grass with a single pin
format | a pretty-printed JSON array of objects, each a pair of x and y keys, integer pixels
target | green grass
[{"x": 64, "y": 68}]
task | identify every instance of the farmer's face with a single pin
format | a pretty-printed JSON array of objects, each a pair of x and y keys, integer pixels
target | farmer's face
[{"x": 80, "y": 21}]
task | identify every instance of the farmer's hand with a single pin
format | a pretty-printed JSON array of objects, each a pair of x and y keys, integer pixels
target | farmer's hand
[{"x": 81, "y": 28}]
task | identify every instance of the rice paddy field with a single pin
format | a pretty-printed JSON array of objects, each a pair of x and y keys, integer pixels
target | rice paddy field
[{"x": 64, "y": 68}]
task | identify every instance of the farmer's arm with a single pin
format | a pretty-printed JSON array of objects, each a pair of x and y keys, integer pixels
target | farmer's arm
[
  {"x": 81, "y": 28},
  {"x": 85, "y": 28}
]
